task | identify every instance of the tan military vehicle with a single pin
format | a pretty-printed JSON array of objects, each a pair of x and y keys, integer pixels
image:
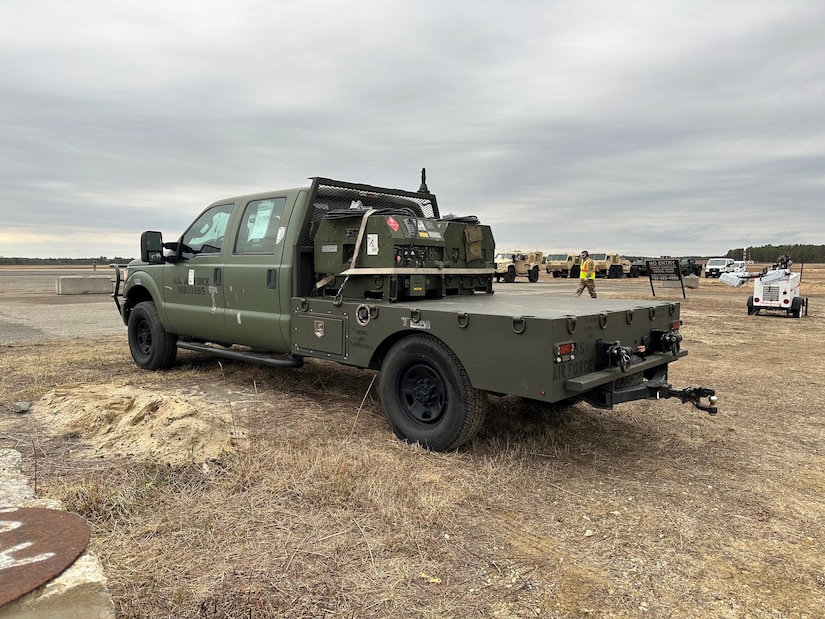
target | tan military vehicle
[
  {"x": 559, "y": 265},
  {"x": 611, "y": 266},
  {"x": 511, "y": 264}
]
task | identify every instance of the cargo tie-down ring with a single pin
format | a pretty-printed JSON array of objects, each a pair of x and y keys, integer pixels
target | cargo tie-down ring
[{"x": 519, "y": 324}]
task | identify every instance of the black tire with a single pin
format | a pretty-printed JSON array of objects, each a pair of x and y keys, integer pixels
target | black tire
[
  {"x": 427, "y": 396},
  {"x": 151, "y": 346},
  {"x": 574, "y": 271},
  {"x": 533, "y": 274},
  {"x": 510, "y": 275},
  {"x": 796, "y": 307},
  {"x": 751, "y": 310},
  {"x": 556, "y": 274},
  {"x": 634, "y": 271}
]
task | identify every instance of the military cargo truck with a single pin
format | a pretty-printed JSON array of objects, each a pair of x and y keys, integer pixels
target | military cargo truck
[
  {"x": 511, "y": 264},
  {"x": 375, "y": 278},
  {"x": 689, "y": 266}
]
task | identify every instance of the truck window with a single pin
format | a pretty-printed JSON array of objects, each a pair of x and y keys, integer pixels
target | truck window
[
  {"x": 205, "y": 235},
  {"x": 259, "y": 231}
]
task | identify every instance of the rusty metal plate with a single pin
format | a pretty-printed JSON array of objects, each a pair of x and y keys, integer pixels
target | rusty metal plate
[{"x": 36, "y": 545}]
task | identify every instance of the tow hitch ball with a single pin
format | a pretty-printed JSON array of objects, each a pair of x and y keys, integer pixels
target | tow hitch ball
[{"x": 694, "y": 395}]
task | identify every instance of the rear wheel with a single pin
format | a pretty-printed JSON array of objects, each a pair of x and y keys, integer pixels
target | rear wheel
[
  {"x": 151, "y": 346},
  {"x": 427, "y": 396},
  {"x": 751, "y": 309},
  {"x": 796, "y": 307}
]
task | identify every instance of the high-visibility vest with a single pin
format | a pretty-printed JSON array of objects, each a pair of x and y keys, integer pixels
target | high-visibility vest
[{"x": 587, "y": 269}]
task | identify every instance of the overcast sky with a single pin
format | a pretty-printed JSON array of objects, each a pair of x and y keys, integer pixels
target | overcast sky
[{"x": 649, "y": 128}]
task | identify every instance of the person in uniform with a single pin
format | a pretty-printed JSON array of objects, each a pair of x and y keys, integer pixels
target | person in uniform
[{"x": 587, "y": 275}]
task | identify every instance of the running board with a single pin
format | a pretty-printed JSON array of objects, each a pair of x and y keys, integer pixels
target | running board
[{"x": 239, "y": 355}]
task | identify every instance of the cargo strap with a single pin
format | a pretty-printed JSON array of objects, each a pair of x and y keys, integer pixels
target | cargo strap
[{"x": 361, "y": 230}]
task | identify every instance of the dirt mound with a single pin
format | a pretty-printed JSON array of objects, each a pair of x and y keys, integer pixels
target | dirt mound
[{"x": 131, "y": 422}]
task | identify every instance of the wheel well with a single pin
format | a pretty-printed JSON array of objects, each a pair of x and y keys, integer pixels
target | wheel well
[
  {"x": 136, "y": 295},
  {"x": 384, "y": 347}
]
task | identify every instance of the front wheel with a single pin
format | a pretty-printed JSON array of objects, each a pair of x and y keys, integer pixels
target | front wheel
[
  {"x": 510, "y": 275},
  {"x": 427, "y": 396},
  {"x": 151, "y": 346},
  {"x": 533, "y": 274}
]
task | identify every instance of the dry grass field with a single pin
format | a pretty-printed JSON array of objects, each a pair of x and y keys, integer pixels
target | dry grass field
[{"x": 224, "y": 490}]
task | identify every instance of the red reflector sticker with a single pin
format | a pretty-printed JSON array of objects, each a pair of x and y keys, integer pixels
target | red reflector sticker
[{"x": 392, "y": 223}]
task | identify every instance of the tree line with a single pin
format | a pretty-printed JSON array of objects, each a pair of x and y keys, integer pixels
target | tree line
[
  {"x": 100, "y": 261},
  {"x": 770, "y": 253}
]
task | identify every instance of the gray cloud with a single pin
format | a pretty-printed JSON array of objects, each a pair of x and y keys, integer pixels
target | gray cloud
[{"x": 647, "y": 128}]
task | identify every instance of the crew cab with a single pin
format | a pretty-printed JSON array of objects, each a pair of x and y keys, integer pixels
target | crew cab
[{"x": 376, "y": 278}]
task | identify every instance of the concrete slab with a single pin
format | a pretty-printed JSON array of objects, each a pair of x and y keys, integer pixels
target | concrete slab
[{"x": 79, "y": 591}]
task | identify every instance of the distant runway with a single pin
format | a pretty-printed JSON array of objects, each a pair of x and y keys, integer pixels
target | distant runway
[{"x": 32, "y": 311}]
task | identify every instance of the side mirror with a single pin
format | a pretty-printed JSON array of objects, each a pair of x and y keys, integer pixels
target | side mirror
[{"x": 151, "y": 247}]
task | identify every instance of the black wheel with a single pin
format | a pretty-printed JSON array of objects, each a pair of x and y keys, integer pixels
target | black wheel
[
  {"x": 634, "y": 271},
  {"x": 574, "y": 271},
  {"x": 427, "y": 396},
  {"x": 510, "y": 275},
  {"x": 498, "y": 277},
  {"x": 151, "y": 346},
  {"x": 533, "y": 274},
  {"x": 751, "y": 310},
  {"x": 796, "y": 307},
  {"x": 556, "y": 274}
]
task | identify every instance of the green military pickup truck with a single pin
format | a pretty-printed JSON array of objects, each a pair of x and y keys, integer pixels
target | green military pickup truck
[{"x": 375, "y": 278}]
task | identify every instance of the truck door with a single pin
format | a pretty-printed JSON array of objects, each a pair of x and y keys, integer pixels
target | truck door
[
  {"x": 193, "y": 286},
  {"x": 253, "y": 279}
]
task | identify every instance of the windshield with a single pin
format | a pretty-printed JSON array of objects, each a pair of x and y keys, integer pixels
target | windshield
[{"x": 717, "y": 262}]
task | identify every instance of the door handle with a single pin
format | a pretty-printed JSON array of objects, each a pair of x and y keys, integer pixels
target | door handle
[
  {"x": 271, "y": 279},
  {"x": 216, "y": 278}
]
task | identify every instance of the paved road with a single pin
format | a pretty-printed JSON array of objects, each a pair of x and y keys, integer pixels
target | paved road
[{"x": 31, "y": 310}]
